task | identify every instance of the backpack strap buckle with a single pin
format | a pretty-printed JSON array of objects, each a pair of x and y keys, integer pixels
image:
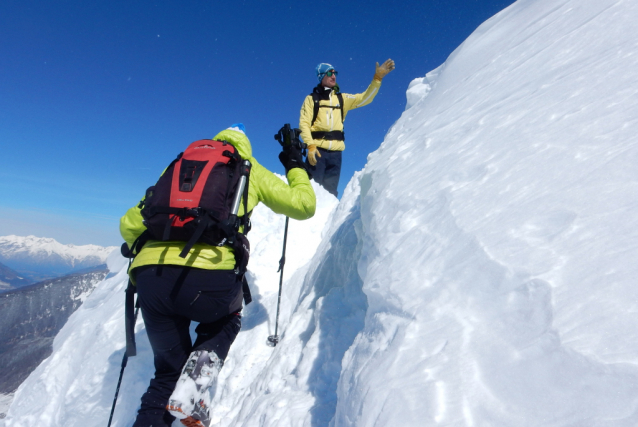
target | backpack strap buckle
[{"x": 193, "y": 212}]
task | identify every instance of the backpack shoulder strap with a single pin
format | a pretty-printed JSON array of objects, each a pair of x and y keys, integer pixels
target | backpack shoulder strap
[
  {"x": 340, "y": 98},
  {"x": 315, "y": 98}
]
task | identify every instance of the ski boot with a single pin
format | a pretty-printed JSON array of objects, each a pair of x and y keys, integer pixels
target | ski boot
[{"x": 190, "y": 401}]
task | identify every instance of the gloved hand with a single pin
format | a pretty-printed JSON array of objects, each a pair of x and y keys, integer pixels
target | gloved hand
[
  {"x": 312, "y": 154},
  {"x": 291, "y": 158},
  {"x": 383, "y": 69}
]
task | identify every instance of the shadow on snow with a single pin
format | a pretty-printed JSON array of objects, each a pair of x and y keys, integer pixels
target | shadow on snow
[{"x": 341, "y": 306}]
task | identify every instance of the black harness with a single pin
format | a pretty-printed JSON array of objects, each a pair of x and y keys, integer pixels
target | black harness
[{"x": 334, "y": 135}]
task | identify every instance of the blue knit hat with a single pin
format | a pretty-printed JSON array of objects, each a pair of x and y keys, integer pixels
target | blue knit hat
[
  {"x": 322, "y": 69},
  {"x": 238, "y": 127}
]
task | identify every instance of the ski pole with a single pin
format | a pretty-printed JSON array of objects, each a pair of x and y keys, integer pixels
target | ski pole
[
  {"x": 274, "y": 339},
  {"x": 130, "y": 346}
]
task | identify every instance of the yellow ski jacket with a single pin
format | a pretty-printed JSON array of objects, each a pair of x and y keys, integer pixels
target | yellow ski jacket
[
  {"x": 295, "y": 200},
  {"x": 329, "y": 119}
]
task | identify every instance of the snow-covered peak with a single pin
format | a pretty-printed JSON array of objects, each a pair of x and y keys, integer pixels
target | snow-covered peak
[
  {"x": 46, "y": 257},
  {"x": 36, "y": 246}
]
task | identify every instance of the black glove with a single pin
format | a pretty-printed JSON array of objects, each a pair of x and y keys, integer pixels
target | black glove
[{"x": 291, "y": 158}]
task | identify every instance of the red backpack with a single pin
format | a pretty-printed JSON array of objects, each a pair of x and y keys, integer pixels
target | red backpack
[{"x": 197, "y": 198}]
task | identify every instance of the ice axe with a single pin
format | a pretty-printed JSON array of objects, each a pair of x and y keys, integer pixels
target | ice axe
[{"x": 273, "y": 340}]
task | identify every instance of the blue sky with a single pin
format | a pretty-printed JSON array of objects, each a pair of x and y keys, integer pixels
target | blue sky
[{"x": 96, "y": 98}]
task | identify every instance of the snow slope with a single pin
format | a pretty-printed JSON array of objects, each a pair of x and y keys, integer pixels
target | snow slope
[{"x": 480, "y": 271}]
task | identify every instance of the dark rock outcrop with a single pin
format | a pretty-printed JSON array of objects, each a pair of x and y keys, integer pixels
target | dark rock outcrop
[
  {"x": 10, "y": 279},
  {"x": 31, "y": 318}
]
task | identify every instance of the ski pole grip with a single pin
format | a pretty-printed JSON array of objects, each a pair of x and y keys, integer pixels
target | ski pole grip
[{"x": 245, "y": 171}]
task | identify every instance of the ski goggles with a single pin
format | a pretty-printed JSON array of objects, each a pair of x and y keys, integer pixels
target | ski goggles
[{"x": 331, "y": 72}]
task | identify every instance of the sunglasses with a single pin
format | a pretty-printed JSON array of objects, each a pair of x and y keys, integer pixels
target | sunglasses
[{"x": 331, "y": 72}]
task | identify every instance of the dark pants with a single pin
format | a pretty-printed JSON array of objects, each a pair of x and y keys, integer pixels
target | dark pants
[
  {"x": 170, "y": 298},
  {"x": 327, "y": 170}
]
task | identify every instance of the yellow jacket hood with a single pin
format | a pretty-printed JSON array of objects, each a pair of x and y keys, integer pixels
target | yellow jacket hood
[{"x": 239, "y": 140}]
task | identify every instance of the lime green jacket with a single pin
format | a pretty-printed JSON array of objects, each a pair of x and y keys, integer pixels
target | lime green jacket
[
  {"x": 329, "y": 119},
  {"x": 295, "y": 200}
]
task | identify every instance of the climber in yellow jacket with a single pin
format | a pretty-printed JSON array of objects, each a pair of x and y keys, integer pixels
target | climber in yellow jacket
[
  {"x": 321, "y": 121},
  {"x": 204, "y": 287}
]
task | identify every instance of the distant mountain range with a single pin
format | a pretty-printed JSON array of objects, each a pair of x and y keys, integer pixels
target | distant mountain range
[{"x": 30, "y": 259}]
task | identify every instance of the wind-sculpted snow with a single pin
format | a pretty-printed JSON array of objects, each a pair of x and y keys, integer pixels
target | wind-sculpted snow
[
  {"x": 480, "y": 271},
  {"x": 500, "y": 230}
]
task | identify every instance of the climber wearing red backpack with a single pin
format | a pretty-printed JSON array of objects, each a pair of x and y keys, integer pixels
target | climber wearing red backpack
[{"x": 192, "y": 261}]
